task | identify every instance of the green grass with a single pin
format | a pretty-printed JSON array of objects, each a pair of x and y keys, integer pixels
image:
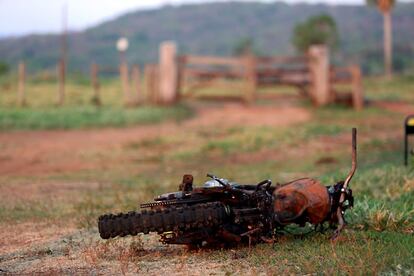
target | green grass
[
  {"x": 400, "y": 88},
  {"x": 87, "y": 117},
  {"x": 35, "y": 210},
  {"x": 314, "y": 254},
  {"x": 78, "y": 111}
]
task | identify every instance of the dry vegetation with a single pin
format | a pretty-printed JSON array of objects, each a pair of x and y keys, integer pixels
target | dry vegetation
[{"x": 55, "y": 183}]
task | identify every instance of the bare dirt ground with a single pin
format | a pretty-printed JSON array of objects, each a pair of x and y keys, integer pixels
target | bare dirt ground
[
  {"x": 30, "y": 234},
  {"x": 43, "y": 152},
  {"x": 398, "y": 107},
  {"x": 40, "y": 153}
]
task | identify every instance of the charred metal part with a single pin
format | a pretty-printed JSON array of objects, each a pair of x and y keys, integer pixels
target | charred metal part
[
  {"x": 354, "y": 160},
  {"x": 345, "y": 192},
  {"x": 224, "y": 213},
  {"x": 250, "y": 232},
  {"x": 222, "y": 181},
  {"x": 187, "y": 184},
  {"x": 172, "y": 202}
]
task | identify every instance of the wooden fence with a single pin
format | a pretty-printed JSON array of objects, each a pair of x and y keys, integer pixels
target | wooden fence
[
  {"x": 247, "y": 74},
  {"x": 199, "y": 72},
  {"x": 177, "y": 77},
  {"x": 310, "y": 74},
  {"x": 352, "y": 78},
  {"x": 131, "y": 83}
]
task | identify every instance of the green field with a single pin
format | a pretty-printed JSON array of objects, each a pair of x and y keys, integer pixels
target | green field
[
  {"x": 379, "y": 238},
  {"x": 79, "y": 110}
]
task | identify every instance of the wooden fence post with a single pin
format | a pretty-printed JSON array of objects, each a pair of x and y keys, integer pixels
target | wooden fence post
[
  {"x": 152, "y": 83},
  {"x": 319, "y": 69},
  {"x": 95, "y": 84},
  {"x": 250, "y": 78},
  {"x": 181, "y": 63},
  {"x": 136, "y": 83},
  {"x": 357, "y": 95},
  {"x": 124, "y": 75},
  {"x": 147, "y": 76},
  {"x": 61, "y": 72},
  {"x": 21, "y": 93},
  {"x": 168, "y": 72}
]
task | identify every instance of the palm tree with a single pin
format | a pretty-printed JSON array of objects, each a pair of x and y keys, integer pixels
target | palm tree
[{"x": 385, "y": 7}]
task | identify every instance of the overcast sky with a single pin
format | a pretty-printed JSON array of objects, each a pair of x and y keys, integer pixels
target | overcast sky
[{"x": 18, "y": 17}]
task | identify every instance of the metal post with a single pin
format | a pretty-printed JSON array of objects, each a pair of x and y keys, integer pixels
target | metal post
[
  {"x": 405, "y": 144},
  {"x": 408, "y": 130}
]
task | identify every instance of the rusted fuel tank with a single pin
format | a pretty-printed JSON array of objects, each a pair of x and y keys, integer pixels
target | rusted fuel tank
[{"x": 300, "y": 201}]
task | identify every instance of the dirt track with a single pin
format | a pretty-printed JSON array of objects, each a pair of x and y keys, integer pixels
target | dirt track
[
  {"x": 398, "y": 107},
  {"x": 44, "y": 152}
]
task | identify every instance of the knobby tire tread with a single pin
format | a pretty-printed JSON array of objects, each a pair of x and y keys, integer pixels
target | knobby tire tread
[{"x": 172, "y": 218}]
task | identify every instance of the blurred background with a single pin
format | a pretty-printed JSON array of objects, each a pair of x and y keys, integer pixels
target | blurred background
[
  {"x": 106, "y": 104},
  {"x": 30, "y": 30}
]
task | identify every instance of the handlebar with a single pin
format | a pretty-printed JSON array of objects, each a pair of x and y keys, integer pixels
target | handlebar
[{"x": 215, "y": 178}]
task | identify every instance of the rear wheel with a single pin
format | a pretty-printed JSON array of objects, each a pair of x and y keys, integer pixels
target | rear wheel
[{"x": 171, "y": 218}]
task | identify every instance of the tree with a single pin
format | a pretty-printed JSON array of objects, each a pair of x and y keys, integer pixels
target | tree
[
  {"x": 320, "y": 29},
  {"x": 4, "y": 68},
  {"x": 243, "y": 47},
  {"x": 385, "y": 7}
]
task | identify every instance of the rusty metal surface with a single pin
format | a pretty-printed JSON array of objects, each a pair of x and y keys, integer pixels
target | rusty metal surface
[{"x": 303, "y": 200}]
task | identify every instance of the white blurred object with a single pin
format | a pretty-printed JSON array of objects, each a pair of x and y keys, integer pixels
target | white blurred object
[{"x": 122, "y": 44}]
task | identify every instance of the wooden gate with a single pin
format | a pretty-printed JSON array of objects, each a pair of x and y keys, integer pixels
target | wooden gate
[
  {"x": 243, "y": 74},
  {"x": 232, "y": 74}
]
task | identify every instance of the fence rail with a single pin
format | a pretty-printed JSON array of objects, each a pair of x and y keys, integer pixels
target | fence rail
[{"x": 176, "y": 77}]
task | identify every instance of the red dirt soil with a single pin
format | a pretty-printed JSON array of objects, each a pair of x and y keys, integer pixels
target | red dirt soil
[
  {"x": 30, "y": 234},
  {"x": 398, "y": 107},
  {"x": 45, "y": 152}
]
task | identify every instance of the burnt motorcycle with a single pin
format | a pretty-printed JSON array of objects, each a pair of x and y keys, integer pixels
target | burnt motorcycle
[{"x": 228, "y": 213}]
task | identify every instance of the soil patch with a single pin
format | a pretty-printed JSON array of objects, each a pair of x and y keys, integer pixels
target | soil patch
[{"x": 51, "y": 152}]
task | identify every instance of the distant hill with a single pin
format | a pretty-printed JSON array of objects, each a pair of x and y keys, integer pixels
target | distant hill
[{"x": 217, "y": 28}]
